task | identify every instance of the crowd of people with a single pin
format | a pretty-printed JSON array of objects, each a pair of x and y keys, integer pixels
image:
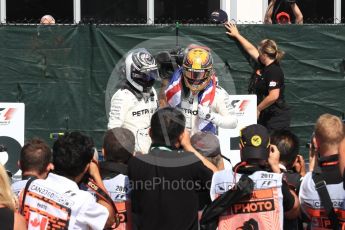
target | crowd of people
[
  {"x": 181, "y": 182},
  {"x": 163, "y": 167}
]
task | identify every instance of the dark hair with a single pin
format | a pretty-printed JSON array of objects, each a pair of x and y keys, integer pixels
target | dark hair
[
  {"x": 288, "y": 146},
  {"x": 167, "y": 125},
  {"x": 35, "y": 156},
  {"x": 71, "y": 153},
  {"x": 118, "y": 144}
]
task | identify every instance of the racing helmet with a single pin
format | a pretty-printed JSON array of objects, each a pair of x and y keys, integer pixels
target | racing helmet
[
  {"x": 141, "y": 69},
  {"x": 197, "y": 68}
]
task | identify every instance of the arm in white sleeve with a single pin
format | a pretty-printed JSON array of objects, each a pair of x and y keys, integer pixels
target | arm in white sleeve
[
  {"x": 118, "y": 108},
  {"x": 224, "y": 116}
]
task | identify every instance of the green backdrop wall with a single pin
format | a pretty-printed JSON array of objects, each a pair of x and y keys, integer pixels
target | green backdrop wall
[{"x": 61, "y": 72}]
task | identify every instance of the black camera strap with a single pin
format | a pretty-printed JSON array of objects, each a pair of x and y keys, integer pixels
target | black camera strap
[
  {"x": 31, "y": 179},
  {"x": 320, "y": 186},
  {"x": 210, "y": 215},
  {"x": 101, "y": 194}
]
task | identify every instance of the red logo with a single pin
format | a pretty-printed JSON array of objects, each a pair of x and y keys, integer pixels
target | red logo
[
  {"x": 240, "y": 104},
  {"x": 244, "y": 105},
  {"x": 7, "y": 113},
  {"x": 39, "y": 224}
]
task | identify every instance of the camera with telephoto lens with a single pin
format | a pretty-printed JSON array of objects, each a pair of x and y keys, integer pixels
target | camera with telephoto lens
[{"x": 169, "y": 61}]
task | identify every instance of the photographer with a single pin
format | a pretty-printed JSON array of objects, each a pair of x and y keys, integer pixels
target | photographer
[
  {"x": 272, "y": 200},
  {"x": 291, "y": 164},
  {"x": 118, "y": 148},
  {"x": 57, "y": 201},
  {"x": 35, "y": 161},
  {"x": 283, "y": 12},
  {"x": 165, "y": 182},
  {"x": 329, "y": 132}
]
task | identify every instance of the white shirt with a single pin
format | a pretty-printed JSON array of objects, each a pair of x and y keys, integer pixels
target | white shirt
[
  {"x": 221, "y": 105},
  {"x": 310, "y": 201},
  {"x": 18, "y": 186},
  {"x": 60, "y": 198},
  {"x": 127, "y": 111},
  {"x": 118, "y": 187}
]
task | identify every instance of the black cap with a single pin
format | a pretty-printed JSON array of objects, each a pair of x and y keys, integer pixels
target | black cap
[
  {"x": 219, "y": 16},
  {"x": 206, "y": 143},
  {"x": 255, "y": 142}
]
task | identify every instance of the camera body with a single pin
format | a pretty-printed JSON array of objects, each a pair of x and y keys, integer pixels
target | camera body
[{"x": 311, "y": 144}]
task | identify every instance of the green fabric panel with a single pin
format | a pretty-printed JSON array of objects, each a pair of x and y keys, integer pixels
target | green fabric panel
[{"x": 61, "y": 72}]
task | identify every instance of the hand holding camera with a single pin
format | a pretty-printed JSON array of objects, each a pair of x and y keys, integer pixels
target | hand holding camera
[{"x": 299, "y": 166}]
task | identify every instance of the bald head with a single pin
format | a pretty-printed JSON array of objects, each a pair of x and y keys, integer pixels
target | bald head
[{"x": 47, "y": 20}]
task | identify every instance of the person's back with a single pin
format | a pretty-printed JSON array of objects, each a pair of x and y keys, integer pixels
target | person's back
[
  {"x": 35, "y": 161},
  {"x": 290, "y": 162},
  {"x": 208, "y": 145},
  {"x": 270, "y": 199},
  {"x": 118, "y": 148},
  {"x": 264, "y": 208},
  {"x": 164, "y": 189},
  {"x": 57, "y": 201},
  {"x": 60, "y": 201},
  {"x": 165, "y": 181},
  {"x": 329, "y": 132}
]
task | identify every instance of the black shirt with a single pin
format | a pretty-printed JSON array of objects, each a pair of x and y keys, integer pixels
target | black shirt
[
  {"x": 164, "y": 189},
  {"x": 6, "y": 218},
  {"x": 282, "y": 6},
  {"x": 109, "y": 169},
  {"x": 268, "y": 78},
  {"x": 330, "y": 169}
]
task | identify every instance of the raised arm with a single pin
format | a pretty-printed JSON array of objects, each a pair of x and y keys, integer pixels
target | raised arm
[
  {"x": 269, "y": 12},
  {"x": 297, "y": 12},
  {"x": 232, "y": 31},
  {"x": 187, "y": 146}
]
